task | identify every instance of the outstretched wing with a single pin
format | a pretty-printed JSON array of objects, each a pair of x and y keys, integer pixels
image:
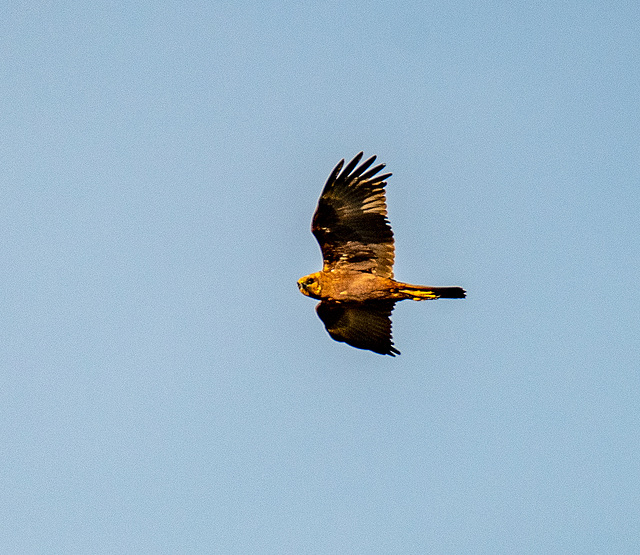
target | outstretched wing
[
  {"x": 350, "y": 222},
  {"x": 361, "y": 325}
]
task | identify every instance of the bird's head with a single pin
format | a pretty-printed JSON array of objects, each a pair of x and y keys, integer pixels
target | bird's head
[{"x": 310, "y": 285}]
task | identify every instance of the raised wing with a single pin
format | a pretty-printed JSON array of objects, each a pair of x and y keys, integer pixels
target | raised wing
[
  {"x": 361, "y": 325},
  {"x": 350, "y": 222}
]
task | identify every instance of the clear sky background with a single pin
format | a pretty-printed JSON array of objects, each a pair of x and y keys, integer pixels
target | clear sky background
[{"x": 164, "y": 386}]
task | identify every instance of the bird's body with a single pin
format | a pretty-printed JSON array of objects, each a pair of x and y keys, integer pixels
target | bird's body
[
  {"x": 359, "y": 287},
  {"x": 356, "y": 286}
]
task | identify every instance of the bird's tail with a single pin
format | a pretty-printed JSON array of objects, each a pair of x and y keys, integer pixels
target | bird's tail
[{"x": 424, "y": 292}]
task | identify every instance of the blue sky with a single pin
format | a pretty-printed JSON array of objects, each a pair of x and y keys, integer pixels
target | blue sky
[{"x": 166, "y": 389}]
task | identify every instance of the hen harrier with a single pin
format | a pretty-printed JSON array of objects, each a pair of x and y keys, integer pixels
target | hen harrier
[{"x": 356, "y": 286}]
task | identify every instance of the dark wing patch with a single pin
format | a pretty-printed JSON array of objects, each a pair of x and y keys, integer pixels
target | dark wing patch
[
  {"x": 350, "y": 222},
  {"x": 361, "y": 325}
]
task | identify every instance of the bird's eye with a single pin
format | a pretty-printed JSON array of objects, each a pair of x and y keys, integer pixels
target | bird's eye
[{"x": 309, "y": 281}]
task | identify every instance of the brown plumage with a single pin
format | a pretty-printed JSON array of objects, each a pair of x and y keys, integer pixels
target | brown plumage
[{"x": 356, "y": 286}]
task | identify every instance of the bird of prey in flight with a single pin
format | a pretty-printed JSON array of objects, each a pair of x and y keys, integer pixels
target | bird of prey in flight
[{"x": 356, "y": 288}]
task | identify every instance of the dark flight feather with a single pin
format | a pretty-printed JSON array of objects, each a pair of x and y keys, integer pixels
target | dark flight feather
[
  {"x": 350, "y": 222},
  {"x": 361, "y": 325}
]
